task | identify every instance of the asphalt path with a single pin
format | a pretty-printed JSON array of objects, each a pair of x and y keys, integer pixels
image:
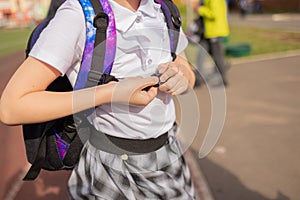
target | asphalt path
[
  {"x": 257, "y": 155},
  {"x": 284, "y": 22}
]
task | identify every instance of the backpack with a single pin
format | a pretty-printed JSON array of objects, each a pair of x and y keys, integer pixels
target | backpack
[{"x": 56, "y": 144}]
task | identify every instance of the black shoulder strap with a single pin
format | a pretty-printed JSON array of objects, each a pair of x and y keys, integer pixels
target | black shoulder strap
[
  {"x": 101, "y": 24},
  {"x": 54, "y": 5}
]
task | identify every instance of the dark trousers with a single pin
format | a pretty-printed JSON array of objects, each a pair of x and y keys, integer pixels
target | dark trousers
[{"x": 215, "y": 49}]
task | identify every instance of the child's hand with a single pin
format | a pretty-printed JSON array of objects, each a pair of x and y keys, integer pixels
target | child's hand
[
  {"x": 131, "y": 90},
  {"x": 172, "y": 79}
]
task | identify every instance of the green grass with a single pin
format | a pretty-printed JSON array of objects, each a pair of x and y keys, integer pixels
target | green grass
[
  {"x": 264, "y": 41},
  {"x": 12, "y": 40}
]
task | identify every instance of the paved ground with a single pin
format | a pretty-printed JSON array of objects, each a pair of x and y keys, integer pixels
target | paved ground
[
  {"x": 285, "y": 22},
  {"x": 257, "y": 156}
]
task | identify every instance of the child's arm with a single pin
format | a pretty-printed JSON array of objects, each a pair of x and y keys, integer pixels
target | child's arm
[
  {"x": 25, "y": 100},
  {"x": 177, "y": 76}
]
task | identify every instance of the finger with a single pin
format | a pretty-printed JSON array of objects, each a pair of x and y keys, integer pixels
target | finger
[
  {"x": 167, "y": 75},
  {"x": 181, "y": 87},
  {"x": 129, "y": 86},
  {"x": 169, "y": 84},
  {"x": 141, "y": 82},
  {"x": 169, "y": 65},
  {"x": 144, "y": 97},
  {"x": 173, "y": 65},
  {"x": 148, "y": 87},
  {"x": 148, "y": 82},
  {"x": 175, "y": 85},
  {"x": 163, "y": 88},
  {"x": 180, "y": 90},
  {"x": 152, "y": 93},
  {"x": 179, "y": 68},
  {"x": 163, "y": 67},
  {"x": 172, "y": 82}
]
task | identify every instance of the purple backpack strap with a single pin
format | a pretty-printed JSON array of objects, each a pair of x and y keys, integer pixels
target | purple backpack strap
[
  {"x": 110, "y": 39},
  {"x": 173, "y": 20},
  {"x": 90, "y": 44}
]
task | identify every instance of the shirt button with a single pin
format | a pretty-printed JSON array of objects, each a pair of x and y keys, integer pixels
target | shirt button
[
  {"x": 139, "y": 17},
  {"x": 124, "y": 157},
  {"x": 149, "y": 61},
  {"x": 138, "y": 20}
]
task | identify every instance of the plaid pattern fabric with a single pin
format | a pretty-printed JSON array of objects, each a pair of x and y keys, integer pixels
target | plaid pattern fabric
[{"x": 162, "y": 174}]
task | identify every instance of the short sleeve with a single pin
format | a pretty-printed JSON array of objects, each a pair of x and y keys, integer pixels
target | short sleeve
[
  {"x": 182, "y": 42},
  {"x": 60, "y": 43}
]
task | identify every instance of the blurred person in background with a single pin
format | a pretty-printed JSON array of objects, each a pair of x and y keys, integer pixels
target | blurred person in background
[
  {"x": 257, "y": 7},
  {"x": 214, "y": 14},
  {"x": 243, "y": 5}
]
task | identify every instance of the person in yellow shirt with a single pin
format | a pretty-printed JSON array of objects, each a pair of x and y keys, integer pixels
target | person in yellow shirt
[{"x": 214, "y": 13}]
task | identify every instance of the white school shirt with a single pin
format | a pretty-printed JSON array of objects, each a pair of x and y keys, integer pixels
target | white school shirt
[{"x": 142, "y": 43}]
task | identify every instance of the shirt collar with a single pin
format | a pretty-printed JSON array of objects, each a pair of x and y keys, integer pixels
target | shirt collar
[
  {"x": 125, "y": 18},
  {"x": 149, "y": 8}
]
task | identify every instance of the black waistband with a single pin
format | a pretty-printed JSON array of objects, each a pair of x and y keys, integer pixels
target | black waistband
[{"x": 121, "y": 146}]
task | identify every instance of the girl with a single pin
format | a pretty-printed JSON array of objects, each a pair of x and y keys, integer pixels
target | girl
[{"x": 150, "y": 164}]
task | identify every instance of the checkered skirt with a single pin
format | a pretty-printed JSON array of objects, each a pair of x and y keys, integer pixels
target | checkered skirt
[{"x": 162, "y": 174}]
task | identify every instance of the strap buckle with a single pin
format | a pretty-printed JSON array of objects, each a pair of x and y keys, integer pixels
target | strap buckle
[
  {"x": 100, "y": 78},
  {"x": 176, "y": 21},
  {"x": 101, "y": 21},
  {"x": 106, "y": 78},
  {"x": 94, "y": 76}
]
